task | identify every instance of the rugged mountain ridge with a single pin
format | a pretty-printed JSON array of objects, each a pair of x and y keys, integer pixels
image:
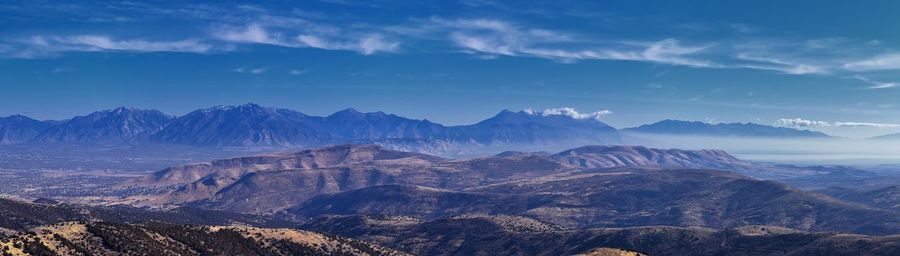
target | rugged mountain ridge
[
  {"x": 254, "y": 126},
  {"x": 121, "y": 125},
  {"x": 224, "y": 126},
  {"x": 18, "y": 129},
  {"x": 352, "y": 124},
  {"x": 243, "y": 125}
]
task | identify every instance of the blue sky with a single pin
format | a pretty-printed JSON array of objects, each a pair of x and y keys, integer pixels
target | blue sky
[{"x": 825, "y": 65}]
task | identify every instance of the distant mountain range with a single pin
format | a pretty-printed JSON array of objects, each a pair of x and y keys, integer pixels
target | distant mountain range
[
  {"x": 254, "y": 126},
  {"x": 893, "y": 136},
  {"x": 678, "y": 127}
]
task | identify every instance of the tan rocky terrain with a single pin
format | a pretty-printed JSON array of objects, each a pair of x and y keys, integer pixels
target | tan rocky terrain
[
  {"x": 603, "y": 251},
  {"x": 156, "y": 238},
  {"x": 18, "y": 214},
  {"x": 47, "y": 228}
]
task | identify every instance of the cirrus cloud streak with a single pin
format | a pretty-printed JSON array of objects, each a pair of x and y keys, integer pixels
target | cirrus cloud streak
[{"x": 806, "y": 123}]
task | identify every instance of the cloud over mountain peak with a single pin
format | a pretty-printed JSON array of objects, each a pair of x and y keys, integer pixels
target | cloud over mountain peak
[{"x": 570, "y": 112}]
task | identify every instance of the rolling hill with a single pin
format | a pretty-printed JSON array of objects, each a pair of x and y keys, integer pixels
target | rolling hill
[{"x": 593, "y": 186}]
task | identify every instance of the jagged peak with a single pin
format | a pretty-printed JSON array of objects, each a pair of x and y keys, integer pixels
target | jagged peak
[
  {"x": 18, "y": 117},
  {"x": 241, "y": 106},
  {"x": 125, "y": 111},
  {"x": 247, "y": 107},
  {"x": 350, "y": 111},
  {"x": 347, "y": 112}
]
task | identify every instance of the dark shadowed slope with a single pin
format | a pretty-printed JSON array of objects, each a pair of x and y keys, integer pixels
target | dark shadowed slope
[
  {"x": 885, "y": 198},
  {"x": 622, "y": 198},
  {"x": 21, "y": 215},
  {"x": 507, "y": 235},
  {"x": 421, "y": 202}
]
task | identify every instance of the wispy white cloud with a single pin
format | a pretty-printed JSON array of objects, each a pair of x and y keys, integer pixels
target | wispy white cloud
[
  {"x": 61, "y": 70},
  {"x": 875, "y": 84},
  {"x": 876, "y": 63},
  {"x": 38, "y": 46},
  {"x": 835, "y": 56},
  {"x": 298, "y": 72},
  {"x": 253, "y": 33},
  {"x": 779, "y": 65},
  {"x": 800, "y": 123},
  {"x": 499, "y": 38},
  {"x": 104, "y": 43},
  {"x": 668, "y": 51},
  {"x": 363, "y": 43},
  {"x": 806, "y": 123},
  {"x": 255, "y": 71},
  {"x": 489, "y": 38},
  {"x": 485, "y": 38},
  {"x": 570, "y": 112},
  {"x": 863, "y": 124}
]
